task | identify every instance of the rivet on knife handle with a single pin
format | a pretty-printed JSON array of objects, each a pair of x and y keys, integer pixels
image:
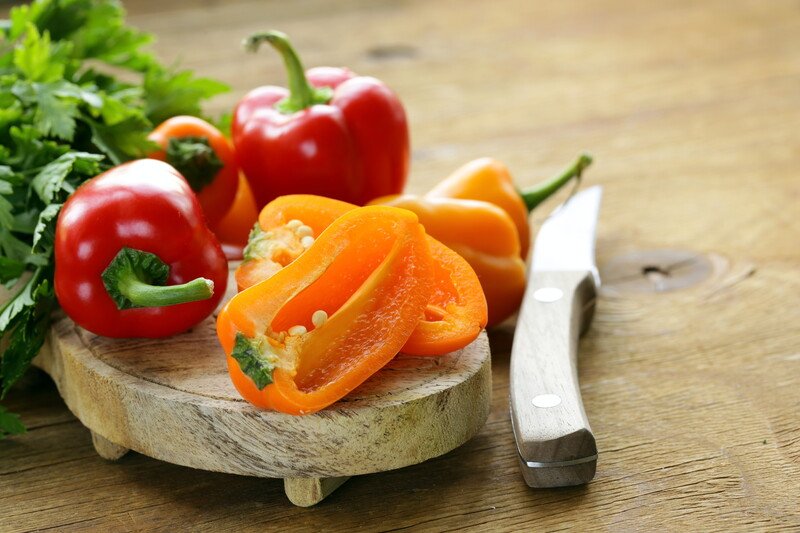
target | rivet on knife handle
[{"x": 555, "y": 443}]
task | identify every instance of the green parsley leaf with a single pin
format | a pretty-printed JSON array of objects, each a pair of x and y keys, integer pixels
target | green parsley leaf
[
  {"x": 52, "y": 178},
  {"x": 122, "y": 141},
  {"x": 171, "y": 94},
  {"x": 12, "y": 247},
  {"x": 10, "y": 270},
  {"x": 25, "y": 221},
  {"x": 46, "y": 227},
  {"x": 27, "y": 337},
  {"x": 32, "y": 57},
  {"x": 22, "y": 299},
  {"x": 6, "y": 209},
  {"x": 10, "y": 423},
  {"x": 30, "y": 150}
]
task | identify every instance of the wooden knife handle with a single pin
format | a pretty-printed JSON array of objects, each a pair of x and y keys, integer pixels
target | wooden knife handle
[{"x": 556, "y": 446}]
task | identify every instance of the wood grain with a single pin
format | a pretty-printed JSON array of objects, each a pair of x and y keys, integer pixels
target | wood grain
[
  {"x": 305, "y": 492},
  {"x": 692, "y": 111}
]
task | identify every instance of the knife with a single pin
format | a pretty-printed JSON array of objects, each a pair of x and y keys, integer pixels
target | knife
[{"x": 555, "y": 443}]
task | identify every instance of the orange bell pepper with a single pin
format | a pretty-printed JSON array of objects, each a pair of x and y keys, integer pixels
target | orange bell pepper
[
  {"x": 318, "y": 328},
  {"x": 455, "y": 314},
  {"x": 204, "y": 156},
  {"x": 489, "y": 180},
  {"x": 234, "y": 228},
  {"x": 478, "y": 213}
]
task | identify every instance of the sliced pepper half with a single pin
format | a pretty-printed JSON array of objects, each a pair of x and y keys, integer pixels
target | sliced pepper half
[
  {"x": 286, "y": 227},
  {"x": 456, "y": 311},
  {"x": 319, "y": 327},
  {"x": 454, "y": 316}
]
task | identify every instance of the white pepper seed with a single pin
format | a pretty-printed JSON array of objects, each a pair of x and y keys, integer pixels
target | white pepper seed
[
  {"x": 297, "y": 330},
  {"x": 319, "y": 317}
]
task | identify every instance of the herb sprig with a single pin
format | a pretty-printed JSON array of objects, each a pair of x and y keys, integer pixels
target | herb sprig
[{"x": 66, "y": 116}]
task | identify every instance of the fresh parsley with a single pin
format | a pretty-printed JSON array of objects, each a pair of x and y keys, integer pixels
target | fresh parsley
[{"x": 66, "y": 116}]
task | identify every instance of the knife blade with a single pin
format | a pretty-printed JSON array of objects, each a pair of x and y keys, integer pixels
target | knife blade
[{"x": 555, "y": 443}]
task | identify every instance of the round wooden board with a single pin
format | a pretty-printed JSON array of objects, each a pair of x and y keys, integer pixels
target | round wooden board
[{"x": 171, "y": 399}]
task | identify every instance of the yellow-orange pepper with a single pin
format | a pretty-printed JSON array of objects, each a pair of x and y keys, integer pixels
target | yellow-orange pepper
[
  {"x": 489, "y": 180},
  {"x": 479, "y": 213}
]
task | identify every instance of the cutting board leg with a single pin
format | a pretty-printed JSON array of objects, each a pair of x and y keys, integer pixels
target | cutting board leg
[
  {"x": 308, "y": 491},
  {"x": 107, "y": 449}
]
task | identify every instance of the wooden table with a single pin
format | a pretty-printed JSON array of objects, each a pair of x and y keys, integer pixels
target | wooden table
[{"x": 692, "y": 111}]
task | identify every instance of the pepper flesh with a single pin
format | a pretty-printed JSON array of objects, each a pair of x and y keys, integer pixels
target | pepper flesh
[
  {"x": 216, "y": 191},
  {"x": 456, "y": 311},
  {"x": 454, "y": 316},
  {"x": 369, "y": 272},
  {"x": 234, "y": 228},
  {"x": 332, "y": 133},
  {"x": 143, "y": 206}
]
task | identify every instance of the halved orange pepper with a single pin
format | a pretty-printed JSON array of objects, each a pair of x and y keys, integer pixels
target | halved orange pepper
[
  {"x": 455, "y": 314},
  {"x": 277, "y": 240},
  {"x": 319, "y": 327},
  {"x": 456, "y": 311}
]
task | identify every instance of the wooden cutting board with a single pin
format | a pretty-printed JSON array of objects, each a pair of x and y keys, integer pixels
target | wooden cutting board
[{"x": 171, "y": 399}]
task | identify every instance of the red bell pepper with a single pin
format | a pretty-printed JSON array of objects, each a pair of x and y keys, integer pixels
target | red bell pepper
[
  {"x": 134, "y": 257},
  {"x": 332, "y": 133}
]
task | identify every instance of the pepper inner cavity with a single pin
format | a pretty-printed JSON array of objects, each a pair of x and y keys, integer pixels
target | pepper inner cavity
[
  {"x": 325, "y": 295},
  {"x": 281, "y": 244}
]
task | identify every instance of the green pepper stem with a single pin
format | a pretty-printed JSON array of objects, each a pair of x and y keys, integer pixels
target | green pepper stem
[
  {"x": 301, "y": 93},
  {"x": 135, "y": 278},
  {"x": 542, "y": 191},
  {"x": 143, "y": 294}
]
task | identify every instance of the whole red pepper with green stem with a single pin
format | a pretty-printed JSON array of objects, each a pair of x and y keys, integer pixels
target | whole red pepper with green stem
[
  {"x": 133, "y": 255},
  {"x": 331, "y": 133}
]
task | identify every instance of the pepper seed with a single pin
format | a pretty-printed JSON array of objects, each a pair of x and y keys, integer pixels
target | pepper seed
[
  {"x": 297, "y": 330},
  {"x": 319, "y": 317},
  {"x": 294, "y": 224}
]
